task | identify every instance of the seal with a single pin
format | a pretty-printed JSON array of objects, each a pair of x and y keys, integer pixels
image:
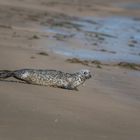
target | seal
[{"x": 53, "y": 78}]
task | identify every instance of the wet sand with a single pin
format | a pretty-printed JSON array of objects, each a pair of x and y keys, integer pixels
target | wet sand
[{"x": 107, "y": 108}]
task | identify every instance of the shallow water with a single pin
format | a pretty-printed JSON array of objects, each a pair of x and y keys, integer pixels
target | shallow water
[
  {"x": 128, "y": 5},
  {"x": 109, "y": 39}
]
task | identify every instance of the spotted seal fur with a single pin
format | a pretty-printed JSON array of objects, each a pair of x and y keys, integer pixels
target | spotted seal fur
[{"x": 53, "y": 78}]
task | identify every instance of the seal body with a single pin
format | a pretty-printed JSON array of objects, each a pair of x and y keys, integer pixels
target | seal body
[{"x": 50, "y": 77}]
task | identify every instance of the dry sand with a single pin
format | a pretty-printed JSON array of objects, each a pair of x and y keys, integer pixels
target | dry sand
[{"x": 107, "y": 108}]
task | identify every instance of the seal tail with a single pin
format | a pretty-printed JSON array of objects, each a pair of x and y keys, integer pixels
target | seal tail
[{"x": 5, "y": 74}]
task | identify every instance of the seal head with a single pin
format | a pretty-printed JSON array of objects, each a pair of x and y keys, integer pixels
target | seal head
[
  {"x": 80, "y": 77},
  {"x": 85, "y": 73}
]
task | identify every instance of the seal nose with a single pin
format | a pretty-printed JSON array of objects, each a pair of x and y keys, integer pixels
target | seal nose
[{"x": 89, "y": 76}]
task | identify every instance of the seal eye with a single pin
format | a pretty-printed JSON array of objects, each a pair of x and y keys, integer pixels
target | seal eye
[{"x": 85, "y": 73}]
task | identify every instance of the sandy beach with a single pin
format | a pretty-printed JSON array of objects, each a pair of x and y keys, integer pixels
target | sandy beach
[{"x": 106, "y": 108}]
